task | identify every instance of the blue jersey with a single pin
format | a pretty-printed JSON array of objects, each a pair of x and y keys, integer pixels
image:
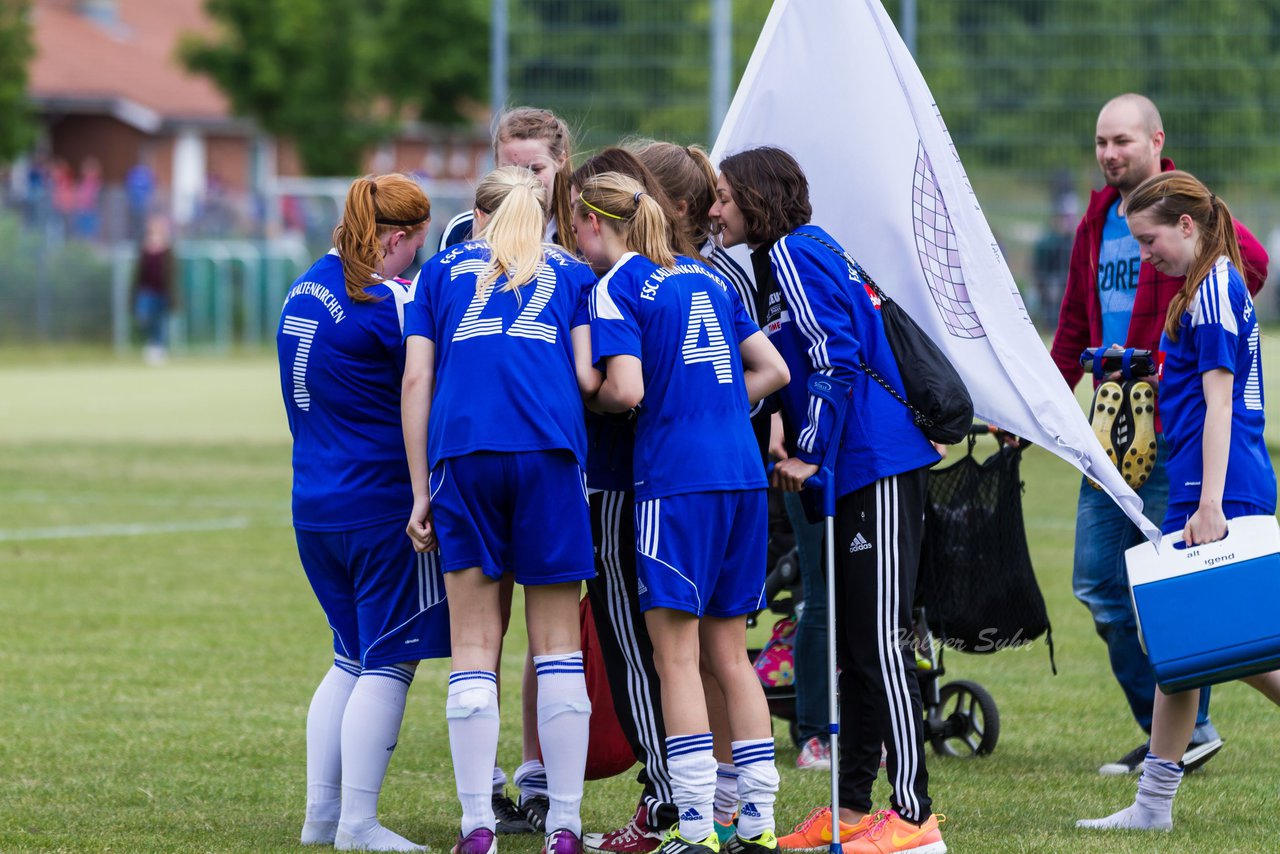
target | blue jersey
[
  {"x": 458, "y": 230},
  {"x": 611, "y": 439},
  {"x": 1219, "y": 331},
  {"x": 504, "y": 371},
  {"x": 829, "y": 321},
  {"x": 684, "y": 324},
  {"x": 340, "y": 370}
]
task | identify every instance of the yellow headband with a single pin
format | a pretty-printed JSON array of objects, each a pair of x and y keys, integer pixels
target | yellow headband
[{"x": 596, "y": 209}]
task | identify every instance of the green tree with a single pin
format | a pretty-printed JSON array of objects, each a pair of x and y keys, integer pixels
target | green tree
[
  {"x": 17, "y": 127},
  {"x": 334, "y": 76}
]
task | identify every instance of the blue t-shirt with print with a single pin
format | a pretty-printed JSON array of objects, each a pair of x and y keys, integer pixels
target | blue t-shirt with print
[{"x": 1118, "y": 262}]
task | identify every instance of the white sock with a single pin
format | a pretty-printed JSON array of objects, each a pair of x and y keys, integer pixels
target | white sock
[
  {"x": 370, "y": 731},
  {"x": 531, "y": 779},
  {"x": 564, "y": 716},
  {"x": 499, "y": 780},
  {"x": 757, "y": 785},
  {"x": 693, "y": 782},
  {"x": 472, "y": 711},
  {"x": 1153, "y": 807},
  {"x": 726, "y": 802},
  {"x": 324, "y": 751}
]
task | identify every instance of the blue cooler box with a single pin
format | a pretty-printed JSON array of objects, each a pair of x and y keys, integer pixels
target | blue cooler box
[{"x": 1209, "y": 613}]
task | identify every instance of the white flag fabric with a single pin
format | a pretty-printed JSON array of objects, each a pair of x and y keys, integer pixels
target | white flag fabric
[{"x": 834, "y": 85}]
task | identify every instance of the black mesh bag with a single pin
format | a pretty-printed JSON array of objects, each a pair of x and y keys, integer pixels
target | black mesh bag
[{"x": 976, "y": 581}]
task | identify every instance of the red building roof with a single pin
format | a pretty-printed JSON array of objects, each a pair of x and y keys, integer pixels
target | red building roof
[{"x": 122, "y": 60}]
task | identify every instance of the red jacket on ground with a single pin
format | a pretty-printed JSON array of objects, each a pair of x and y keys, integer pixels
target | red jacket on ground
[{"x": 1080, "y": 319}]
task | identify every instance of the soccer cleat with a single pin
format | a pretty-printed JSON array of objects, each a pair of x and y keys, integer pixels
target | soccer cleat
[
  {"x": 1200, "y": 752},
  {"x": 814, "y": 833},
  {"x": 1127, "y": 764},
  {"x": 892, "y": 834},
  {"x": 1109, "y": 422},
  {"x": 479, "y": 841},
  {"x": 634, "y": 837},
  {"x": 815, "y": 755},
  {"x": 509, "y": 817},
  {"x": 562, "y": 841},
  {"x": 674, "y": 843},
  {"x": 1139, "y": 454},
  {"x": 765, "y": 843},
  {"x": 535, "y": 809}
]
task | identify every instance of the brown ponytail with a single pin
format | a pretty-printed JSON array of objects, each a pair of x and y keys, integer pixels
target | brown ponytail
[
  {"x": 1166, "y": 198},
  {"x": 686, "y": 173},
  {"x": 376, "y": 205}
]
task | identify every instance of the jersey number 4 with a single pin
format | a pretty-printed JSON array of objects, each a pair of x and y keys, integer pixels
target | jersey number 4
[
  {"x": 702, "y": 316},
  {"x": 525, "y": 325},
  {"x": 305, "y": 331}
]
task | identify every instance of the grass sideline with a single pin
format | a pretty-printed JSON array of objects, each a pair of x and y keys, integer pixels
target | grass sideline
[{"x": 159, "y": 646}]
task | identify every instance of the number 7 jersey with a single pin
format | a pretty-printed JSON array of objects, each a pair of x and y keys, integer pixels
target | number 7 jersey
[
  {"x": 504, "y": 370},
  {"x": 684, "y": 324}
]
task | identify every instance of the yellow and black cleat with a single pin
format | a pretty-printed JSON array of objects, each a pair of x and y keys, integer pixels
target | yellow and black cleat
[{"x": 1138, "y": 457}]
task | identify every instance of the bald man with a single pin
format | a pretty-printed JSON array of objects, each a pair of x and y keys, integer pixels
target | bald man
[{"x": 1111, "y": 298}]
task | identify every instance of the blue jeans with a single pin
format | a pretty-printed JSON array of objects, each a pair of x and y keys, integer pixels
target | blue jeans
[
  {"x": 811, "y": 627},
  {"x": 151, "y": 313},
  {"x": 1099, "y": 580}
]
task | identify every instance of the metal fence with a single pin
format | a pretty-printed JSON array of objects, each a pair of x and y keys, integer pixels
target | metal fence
[
  {"x": 66, "y": 275},
  {"x": 1019, "y": 83}
]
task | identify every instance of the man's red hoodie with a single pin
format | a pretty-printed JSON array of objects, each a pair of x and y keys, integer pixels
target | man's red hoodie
[{"x": 1080, "y": 320}]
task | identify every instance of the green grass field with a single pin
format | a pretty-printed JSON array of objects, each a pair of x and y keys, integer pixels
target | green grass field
[{"x": 159, "y": 646}]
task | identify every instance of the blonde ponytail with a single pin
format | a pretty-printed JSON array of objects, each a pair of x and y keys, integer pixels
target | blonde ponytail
[
  {"x": 622, "y": 204},
  {"x": 514, "y": 198}
]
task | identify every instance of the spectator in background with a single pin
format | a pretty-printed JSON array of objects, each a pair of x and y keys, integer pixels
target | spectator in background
[
  {"x": 62, "y": 188},
  {"x": 87, "y": 198},
  {"x": 153, "y": 291},
  {"x": 139, "y": 186},
  {"x": 1052, "y": 259}
]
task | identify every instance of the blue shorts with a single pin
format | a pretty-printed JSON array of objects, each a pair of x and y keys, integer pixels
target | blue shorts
[
  {"x": 384, "y": 602},
  {"x": 703, "y": 552},
  {"x": 1177, "y": 516},
  {"x": 525, "y": 513}
]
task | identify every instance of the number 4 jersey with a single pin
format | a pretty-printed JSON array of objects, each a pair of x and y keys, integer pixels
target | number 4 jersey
[
  {"x": 504, "y": 371},
  {"x": 684, "y": 324},
  {"x": 340, "y": 368}
]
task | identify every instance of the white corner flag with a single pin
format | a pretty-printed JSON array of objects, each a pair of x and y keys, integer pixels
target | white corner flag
[{"x": 834, "y": 85}]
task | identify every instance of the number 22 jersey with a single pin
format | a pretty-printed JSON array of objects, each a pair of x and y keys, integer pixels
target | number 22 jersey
[
  {"x": 504, "y": 370},
  {"x": 684, "y": 324}
]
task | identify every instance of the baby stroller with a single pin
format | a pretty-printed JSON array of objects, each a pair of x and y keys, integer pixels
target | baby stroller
[
  {"x": 961, "y": 718},
  {"x": 967, "y": 500}
]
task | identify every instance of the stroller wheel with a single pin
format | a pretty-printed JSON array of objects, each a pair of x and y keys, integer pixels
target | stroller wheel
[{"x": 968, "y": 722}]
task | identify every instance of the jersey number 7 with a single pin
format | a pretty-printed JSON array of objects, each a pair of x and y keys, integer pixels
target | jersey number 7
[{"x": 305, "y": 331}]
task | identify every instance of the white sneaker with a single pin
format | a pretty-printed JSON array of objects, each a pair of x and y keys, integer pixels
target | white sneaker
[{"x": 815, "y": 755}]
